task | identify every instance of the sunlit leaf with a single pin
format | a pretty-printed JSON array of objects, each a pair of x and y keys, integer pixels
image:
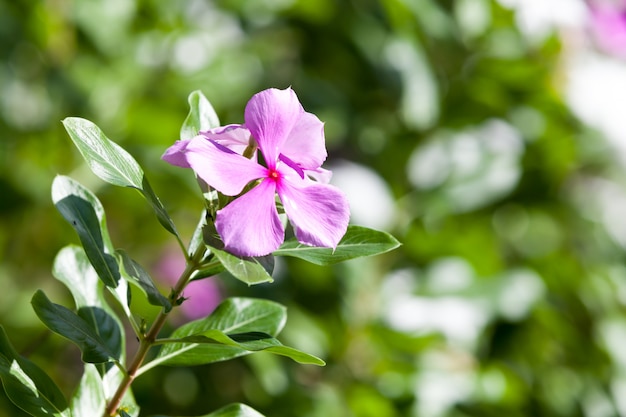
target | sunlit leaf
[
  {"x": 250, "y": 342},
  {"x": 201, "y": 116},
  {"x": 357, "y": 242},
  {"x": 235, "y": 410},
  {"x": 107, "y": 159},
  {"x": 72, "y": 267},
  {"x": 232, "y": 316},
  {"x": 211, "y": 269},
  {"x": 249, "y": 270},
  {"x": 89, "y": 399},
  {"x": 232, "y": 410},
  {"x": 114, "y": 164},
  {"x": 27, "y": 386}
]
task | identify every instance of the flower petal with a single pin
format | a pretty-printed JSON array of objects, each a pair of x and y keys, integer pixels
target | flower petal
[
  {"x": 305, "y": 144},
  {"x": 175, "y": 154},
  {"x": 249, "y": 225},
  {"x": 319, "y": 213},
  {"x": 320, "y": 175},
  {"x": 221, "y": 168},
  {"x": 234, "y": 137},
  {"x": 270, "y": 116}
]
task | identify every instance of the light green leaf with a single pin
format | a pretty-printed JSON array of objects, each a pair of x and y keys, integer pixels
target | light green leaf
[
  {"x": 65, "y": 322},
  {"x": 89, "y": 399},
  {"x": 113, "y": 164},
  {"x": 232, "y": 410},
  {"x": 134, "y": 273},
  {"x": 357, "y": 242},
  {"x": 27, "y": 386},
  {"x": 107, "y": 159},
  {"x": 201, "y": 116},
  {"x": 235, "y": 410},
  {"x": 249, "y": 270},
  {"x": 84, "y": 212},
  {"x": 233, "y": 315},
  {"x": 111, "y": 382},
  {"x": 209, "y": 270},
  {"x": 72, "y": 268},
  {"x": 250, "y": 342}
]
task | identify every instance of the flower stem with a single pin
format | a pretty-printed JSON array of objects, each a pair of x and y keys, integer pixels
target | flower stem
[{"x": 148, "y": 340}]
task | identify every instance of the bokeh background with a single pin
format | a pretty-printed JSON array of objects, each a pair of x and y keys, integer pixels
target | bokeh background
[{"x": 486, "y": 135}]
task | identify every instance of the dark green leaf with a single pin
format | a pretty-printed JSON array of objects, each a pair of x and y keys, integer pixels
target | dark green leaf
[
  {"x": 233, "y": 315},
  {"x": 249, "y": 270},
  {"x": 162, "y": 216},
  {"x": 134, "y": 273},
  {"x": 27, "y": 386},
  {"x": 357, "y": 242},
  {"x": 65, "y": 322},
  {"x": 84, "y": 212},
  {"x": 105, "y": 326},
  {"x": 201, "y": 116},
  {"x": 106, "y": 159}
]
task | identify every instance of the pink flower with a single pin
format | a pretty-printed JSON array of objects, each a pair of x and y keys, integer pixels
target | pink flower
[
  {"x": 608, "y": 23},
  {"x": 292, "y": 144}
]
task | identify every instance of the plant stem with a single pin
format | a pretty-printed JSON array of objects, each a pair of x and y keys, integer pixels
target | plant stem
[{"x": 148, "y": 340}]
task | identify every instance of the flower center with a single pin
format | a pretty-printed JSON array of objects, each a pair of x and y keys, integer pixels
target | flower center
[{"x": 273, "y": 174}]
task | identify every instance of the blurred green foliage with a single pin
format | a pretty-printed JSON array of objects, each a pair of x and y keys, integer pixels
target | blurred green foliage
[{"x": 507, "y": 297}]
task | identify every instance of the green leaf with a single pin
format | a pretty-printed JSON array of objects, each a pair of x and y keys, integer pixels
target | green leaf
[
  {"x": 134, "y": 273},
  {"x": 249, "y": 270},
  {"x": 232, "y": 410},
  {"x": 89, "y": 399},
  {"x": 250, "y": 342},
  {"x": 357, "y": 242},
  {"x": 85, "y": 213},
  {"x": 27, "y": 385},
  {"x": 233, "y": 315},
  {"x": 113, "y": 164},
  {"x": 162, "y": 216},
  {"x": 107, "y": 159},
  {"x": 201, "y": 116},
  {"x": 209, "y": 270},
  {"x": 235, "y": 410},
  {"x": 72, "y": 268},
  {"x": 65, "y": 322},
  {"x": 105, "y": 327},
  {"x": 198, "y": 238}
]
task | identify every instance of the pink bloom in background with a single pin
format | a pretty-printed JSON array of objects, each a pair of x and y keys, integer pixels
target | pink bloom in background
[
  {"x": 292, "y": 144},
  {"x": 608, "y": 24},
  {"x": 202, "y": 296}
]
